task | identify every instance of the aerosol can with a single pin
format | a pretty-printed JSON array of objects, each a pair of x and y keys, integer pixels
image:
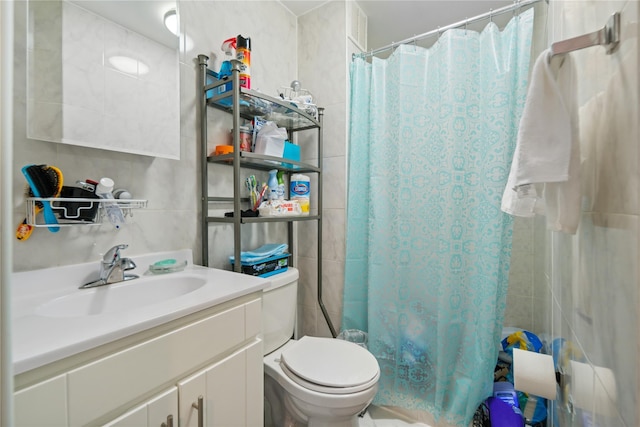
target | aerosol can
[{"x": 243, "y": 54}]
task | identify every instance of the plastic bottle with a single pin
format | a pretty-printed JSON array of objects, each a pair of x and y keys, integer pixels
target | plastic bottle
[
  {"x": 113, "y": 211},
  {"x": 300, "y": 190},
  {"x": 273, "y": 184},
  {"x": 228, "y": 47},
  {"x": 280, "y": 191},
  {"x": 243, "y": 54}
]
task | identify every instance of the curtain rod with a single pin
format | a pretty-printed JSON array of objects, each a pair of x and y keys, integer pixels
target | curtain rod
[{"x": 459, "y": 24}]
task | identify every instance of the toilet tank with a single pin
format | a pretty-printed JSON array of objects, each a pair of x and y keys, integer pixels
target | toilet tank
[{"x": 279, "y": 302}]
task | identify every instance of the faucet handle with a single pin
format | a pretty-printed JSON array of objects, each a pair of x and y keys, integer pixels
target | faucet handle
[{"x": 113, "y": 254}]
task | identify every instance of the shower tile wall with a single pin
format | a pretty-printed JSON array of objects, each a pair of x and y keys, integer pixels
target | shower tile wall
[
  {"x": 322, "y": 57},
  {"x": 587, "y": 284}
]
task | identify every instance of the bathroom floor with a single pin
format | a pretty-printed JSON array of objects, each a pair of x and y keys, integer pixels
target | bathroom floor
[{"x": 381, "y": 417}]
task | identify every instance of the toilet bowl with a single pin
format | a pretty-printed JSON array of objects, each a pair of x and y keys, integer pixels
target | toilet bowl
[{"x": 315, "y": 382}]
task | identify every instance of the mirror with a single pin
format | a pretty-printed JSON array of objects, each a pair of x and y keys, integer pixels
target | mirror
[{"x": 104, "y": 74}]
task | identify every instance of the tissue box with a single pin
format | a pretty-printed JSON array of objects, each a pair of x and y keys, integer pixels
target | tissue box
[
  {"x": 267, "y": 267},
  {"x": 270, "y": 140}
]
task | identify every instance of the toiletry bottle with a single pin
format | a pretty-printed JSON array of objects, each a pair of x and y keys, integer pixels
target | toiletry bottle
[
  {"x": 243, "y": 54},
  {"x": 280, "y": 191},
  {"x": 228, "y": 47},
  {"x": 273, "y": 184},
  {"x": 300, "y": 190},
  {"x": 111, "y": 208}
]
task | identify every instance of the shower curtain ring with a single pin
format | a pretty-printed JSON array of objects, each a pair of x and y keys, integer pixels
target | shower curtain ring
[
  {"x": 415, "y": 43},
  {"x": 438, "y": 34},
  {"x": 466, "y": 23},
  {"x": 491, "y": 16}
]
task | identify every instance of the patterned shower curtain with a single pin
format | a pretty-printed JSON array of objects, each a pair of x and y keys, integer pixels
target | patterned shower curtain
[{"x": 428, "y": 249}]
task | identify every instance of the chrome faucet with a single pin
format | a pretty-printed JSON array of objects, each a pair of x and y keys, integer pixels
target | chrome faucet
[{"x": 112, "y": 268}]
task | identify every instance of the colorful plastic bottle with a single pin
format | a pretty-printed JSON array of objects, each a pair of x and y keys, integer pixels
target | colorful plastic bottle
[{"x": 273, "y": 184}]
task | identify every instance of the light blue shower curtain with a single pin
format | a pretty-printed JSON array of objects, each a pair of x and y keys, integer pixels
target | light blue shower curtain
[{"x": 428, "y": 249}]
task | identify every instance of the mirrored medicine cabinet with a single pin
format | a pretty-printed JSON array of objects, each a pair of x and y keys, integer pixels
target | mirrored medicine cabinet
[{"x": 104, "y": 74}]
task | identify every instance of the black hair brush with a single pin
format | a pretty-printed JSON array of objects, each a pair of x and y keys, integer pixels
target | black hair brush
[{"x": 45, "y": 181}]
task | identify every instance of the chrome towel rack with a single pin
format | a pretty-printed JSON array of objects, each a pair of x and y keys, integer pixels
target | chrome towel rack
[{"x": 608, "y": 36}]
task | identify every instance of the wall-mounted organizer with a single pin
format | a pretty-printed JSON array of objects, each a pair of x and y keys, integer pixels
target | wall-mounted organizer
[
  {"x": 77, "y": 211},
  {"x": 244, "y": 105}
]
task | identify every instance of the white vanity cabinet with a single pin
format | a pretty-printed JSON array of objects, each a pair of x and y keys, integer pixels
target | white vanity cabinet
[{"x": 142, "y": 379}]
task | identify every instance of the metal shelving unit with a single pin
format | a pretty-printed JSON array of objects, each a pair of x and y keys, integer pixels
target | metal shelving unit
[{"x": 228, "y": 96}]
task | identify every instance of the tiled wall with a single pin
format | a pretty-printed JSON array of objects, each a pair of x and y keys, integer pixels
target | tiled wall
[
  {"x": 171, "y": 187},
  {"x": 323, "y": 56},
  {"x": 587, "y": 284}
]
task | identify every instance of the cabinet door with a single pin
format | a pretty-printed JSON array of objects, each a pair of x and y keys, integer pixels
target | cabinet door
[
  {"x": 163, "y": 408},
  {"x": 231, "y": 389},
  {"x": 153, "y": 413},
  {"x": 189, "y": 390},
  {"x": 227, "y": 392},
  {"x": 43, "y": 404}
]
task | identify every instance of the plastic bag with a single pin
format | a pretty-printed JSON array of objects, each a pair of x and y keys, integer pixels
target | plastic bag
[
  {"x": 270, "y": 140},
  {"x": 355, "y": 336}
]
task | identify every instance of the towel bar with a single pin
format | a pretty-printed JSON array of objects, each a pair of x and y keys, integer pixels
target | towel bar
[{"x": 608, "y": 36}]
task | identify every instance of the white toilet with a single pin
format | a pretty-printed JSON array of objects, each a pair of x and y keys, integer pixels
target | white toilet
[{"x": 315, "y": 382}]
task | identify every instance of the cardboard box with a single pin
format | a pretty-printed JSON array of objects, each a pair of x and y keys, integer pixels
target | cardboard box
[{"x": 267, "y": 267}]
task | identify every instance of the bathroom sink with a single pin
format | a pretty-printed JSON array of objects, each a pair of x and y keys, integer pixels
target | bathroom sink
[
  {"x": 123, "y": 296},
  {"x": 52, "y": 319}
]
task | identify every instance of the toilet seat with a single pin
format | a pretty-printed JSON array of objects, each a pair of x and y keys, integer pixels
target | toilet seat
[{"x": 330, "y": 366}]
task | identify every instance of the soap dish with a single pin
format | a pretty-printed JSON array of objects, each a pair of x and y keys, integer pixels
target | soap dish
[{"x": 167, "y": 266}]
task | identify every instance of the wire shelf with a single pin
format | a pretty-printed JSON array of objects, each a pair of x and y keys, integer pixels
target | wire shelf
[{"x": 76, "y": 211}]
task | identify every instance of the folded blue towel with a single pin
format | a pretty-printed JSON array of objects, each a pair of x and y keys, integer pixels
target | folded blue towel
[{"x": 262, "y": 253}]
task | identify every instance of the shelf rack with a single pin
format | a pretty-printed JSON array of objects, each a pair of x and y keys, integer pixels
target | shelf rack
[
  {"x": 70, "y": 211},
  {"x": 245, "y": 104}
]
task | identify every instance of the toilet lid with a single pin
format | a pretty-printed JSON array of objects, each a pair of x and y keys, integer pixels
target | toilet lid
[{"x": 330, "y": 365}]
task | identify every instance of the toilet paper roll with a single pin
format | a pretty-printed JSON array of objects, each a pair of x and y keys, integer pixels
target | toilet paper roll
[
  {"x": 534, "y": 373},
  {"x": 593, "y": 388}
]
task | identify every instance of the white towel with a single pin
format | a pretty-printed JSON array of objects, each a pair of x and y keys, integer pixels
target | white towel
[{"x": 544, "y": 175}]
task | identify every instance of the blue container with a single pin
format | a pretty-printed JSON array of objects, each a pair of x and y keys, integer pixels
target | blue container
[{"x": 291, "y": 152}]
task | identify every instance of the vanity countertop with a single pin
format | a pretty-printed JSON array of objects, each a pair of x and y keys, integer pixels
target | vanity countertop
[{"x": 42, "y": 335}]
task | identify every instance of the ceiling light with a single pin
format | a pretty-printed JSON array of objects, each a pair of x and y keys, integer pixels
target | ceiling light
[{"x": 171, "y": 21}]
